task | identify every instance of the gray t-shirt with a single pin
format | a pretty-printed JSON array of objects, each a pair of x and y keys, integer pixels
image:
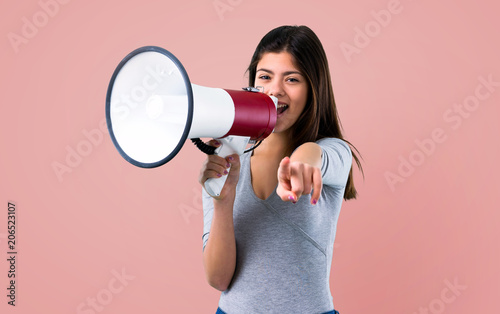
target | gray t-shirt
[{"x": 284, "y": 251}]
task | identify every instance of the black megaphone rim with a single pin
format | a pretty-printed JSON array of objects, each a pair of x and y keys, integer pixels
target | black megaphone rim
[{"x": 189, "y": 119}]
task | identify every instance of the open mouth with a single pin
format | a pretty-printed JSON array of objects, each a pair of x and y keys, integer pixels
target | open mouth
[{"x": 282, "y": 108}]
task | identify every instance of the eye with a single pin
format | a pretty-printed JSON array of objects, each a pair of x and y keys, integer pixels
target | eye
[
  {"x": 292, "y": 79},
  {"x": 264, "y": 77}
]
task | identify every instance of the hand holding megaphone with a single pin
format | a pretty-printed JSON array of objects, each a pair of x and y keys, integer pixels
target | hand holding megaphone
[{"x": 152, "y": 108}]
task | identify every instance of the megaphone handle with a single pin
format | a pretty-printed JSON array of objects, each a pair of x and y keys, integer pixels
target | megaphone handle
[{"x": 229, "y": 145}]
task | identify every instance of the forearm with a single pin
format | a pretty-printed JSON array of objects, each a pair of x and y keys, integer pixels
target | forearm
[
  {"x": 308, "y": 153},
  {"x": 219, "y": 256}
]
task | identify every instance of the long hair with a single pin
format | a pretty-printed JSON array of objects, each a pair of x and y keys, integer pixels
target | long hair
[{"x": 319, "y": 118}]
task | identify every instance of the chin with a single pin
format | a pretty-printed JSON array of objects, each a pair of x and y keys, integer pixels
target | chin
[{"x": 280, "y": 129}]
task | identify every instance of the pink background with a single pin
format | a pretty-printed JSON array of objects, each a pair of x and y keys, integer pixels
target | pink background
[{"x": 397, "y": 250}]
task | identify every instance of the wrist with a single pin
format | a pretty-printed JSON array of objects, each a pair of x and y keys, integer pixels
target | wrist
[{"x": 226, "y": 200}]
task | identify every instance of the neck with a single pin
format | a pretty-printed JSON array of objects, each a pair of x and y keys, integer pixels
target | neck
[{"x": 275, "y": 144}]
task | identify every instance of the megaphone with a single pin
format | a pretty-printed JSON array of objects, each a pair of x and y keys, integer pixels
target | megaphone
[{"x": 152, "y": 108}]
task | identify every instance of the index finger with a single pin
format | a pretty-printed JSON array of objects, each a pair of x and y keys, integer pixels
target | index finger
[
  {"x": 284, "y": 169},
  {"x": 317, "y": 186}
]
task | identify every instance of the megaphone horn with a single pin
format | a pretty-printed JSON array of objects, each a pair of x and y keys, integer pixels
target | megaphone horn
[{"x": 152, "y": 108}]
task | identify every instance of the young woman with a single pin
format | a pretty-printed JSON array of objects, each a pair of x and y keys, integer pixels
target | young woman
[{"x": 268, "y": 240}]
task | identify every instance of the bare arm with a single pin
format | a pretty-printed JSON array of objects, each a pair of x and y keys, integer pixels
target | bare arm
[
  {"x": 309, "y": 153},
  {"x": 219, "y": 255}
]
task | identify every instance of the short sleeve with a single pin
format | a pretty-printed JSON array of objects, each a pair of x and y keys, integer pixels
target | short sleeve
[
  {"x": 336, "y": 161},
  {"x": 208, "y": 212}
]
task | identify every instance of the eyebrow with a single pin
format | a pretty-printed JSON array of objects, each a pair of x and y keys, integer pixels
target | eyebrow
[{"x": 285, "y": 74}]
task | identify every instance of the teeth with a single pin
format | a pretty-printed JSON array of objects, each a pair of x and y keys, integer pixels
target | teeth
[{"x": 282, "y": 105}]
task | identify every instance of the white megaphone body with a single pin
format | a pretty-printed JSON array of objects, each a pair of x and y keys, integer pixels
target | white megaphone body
[{"x": 152, "y": 108}]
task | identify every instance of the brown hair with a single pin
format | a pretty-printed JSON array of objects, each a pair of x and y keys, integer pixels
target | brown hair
[{"x": 319, "y": 118}]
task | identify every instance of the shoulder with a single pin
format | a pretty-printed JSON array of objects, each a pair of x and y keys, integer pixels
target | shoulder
[
  {"x": 336, "y": 160},
  {"x": 335, "y": 144}
]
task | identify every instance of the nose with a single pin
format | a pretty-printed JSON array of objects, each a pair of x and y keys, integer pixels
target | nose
[{"x": 275, "y": 88}]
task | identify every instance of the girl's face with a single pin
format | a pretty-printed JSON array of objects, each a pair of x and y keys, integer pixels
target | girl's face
[{"x": 279, "y": 76}]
